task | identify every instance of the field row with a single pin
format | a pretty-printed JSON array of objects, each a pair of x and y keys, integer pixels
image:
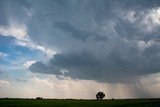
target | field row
[{"x": 78, "y": 103}]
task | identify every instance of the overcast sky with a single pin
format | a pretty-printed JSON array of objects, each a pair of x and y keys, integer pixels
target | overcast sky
[{"x": 75, "y": 48}]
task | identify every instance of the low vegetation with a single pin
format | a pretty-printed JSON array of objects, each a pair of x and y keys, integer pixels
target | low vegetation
[{"x": 79, "y": 103}]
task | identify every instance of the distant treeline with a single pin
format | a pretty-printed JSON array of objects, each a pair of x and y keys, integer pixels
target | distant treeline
[{"x": 79, "y": 99}]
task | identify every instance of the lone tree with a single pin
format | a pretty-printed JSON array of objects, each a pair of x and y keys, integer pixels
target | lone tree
[{"x": 100, "y": 95}]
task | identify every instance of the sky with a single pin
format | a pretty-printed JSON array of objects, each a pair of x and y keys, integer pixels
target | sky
[{"x": 76, "y": 48}]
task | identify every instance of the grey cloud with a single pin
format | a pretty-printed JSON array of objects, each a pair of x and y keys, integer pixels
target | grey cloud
[
  {"x": 115, "y": 67},
  {"x": 114, "y": 60},
  {"x": 14, "y": 10},
  {"x": 3, "y": 16},
  {"x": 139, "y": 4},
  {"x": 130, "y": 31},
  {"x": 67, "y": 60},
  {"x": 21, "y": 80},
  {"x": 93, "y": 38},
  {"x": 146, "y": 3},
  {"x": 77, "y": 34},
  {"x": 45, "y": 69}
]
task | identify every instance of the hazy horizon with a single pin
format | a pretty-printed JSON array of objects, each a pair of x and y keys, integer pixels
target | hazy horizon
[{"x": 76, "y": 48}]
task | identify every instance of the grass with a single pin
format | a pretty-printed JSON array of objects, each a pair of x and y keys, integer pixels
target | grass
[{"x": 79, "y": 103}]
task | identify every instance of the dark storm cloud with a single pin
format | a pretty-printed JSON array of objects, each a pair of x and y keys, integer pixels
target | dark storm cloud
[
  {"x": 102, "y": 40},
  {"x": 112, "y": 60},
  {"x": 45, "y": 69},
  {"x": 115, "y": 67},
  {"x": 16, "y": 10},
  {"x": 131, "y": 31},
  {"x": 77, "y": 34},
  {"x": 3, "y": 16},
  {"x": 144, "y": 3}
]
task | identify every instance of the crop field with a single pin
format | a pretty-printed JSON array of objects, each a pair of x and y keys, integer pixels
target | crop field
[{"x": 79, "y": 103}]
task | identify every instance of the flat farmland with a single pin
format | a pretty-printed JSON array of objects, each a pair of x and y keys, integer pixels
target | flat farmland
[{"x": 79, "y": 103}]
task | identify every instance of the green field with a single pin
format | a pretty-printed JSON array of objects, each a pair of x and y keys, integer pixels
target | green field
[{"x": 79, "y": 103}]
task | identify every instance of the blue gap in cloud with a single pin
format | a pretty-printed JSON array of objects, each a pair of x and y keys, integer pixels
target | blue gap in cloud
[{"x": 8, "y": 46}]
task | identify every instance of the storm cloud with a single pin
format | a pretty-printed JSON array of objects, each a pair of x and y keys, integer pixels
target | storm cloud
[
  {"x": 104, "y": 40},
  {"x": 116, "y": 66},
  {"x": 128, "y": 44}
]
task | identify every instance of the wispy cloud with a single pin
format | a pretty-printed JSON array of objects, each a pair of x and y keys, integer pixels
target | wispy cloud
[
  {"x": 19, "y": 32},
  {"x": 2, "y": 55},
  {"x": 27, "y": 64}
]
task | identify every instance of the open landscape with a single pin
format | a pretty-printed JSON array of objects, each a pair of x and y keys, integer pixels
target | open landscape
[
  {"x": 79, "y": 53},
  {"x": 79, "y": 103}
]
